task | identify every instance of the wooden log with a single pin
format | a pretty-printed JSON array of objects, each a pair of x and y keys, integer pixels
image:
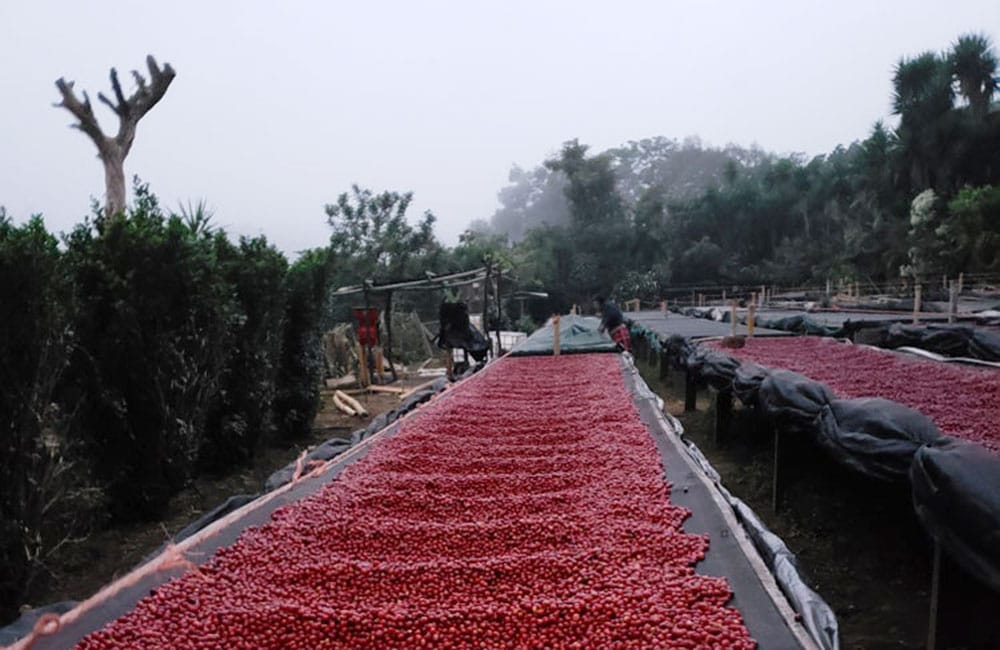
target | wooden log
[
  {"x": 396, "y": 390},
  {"x": 342, "y": 382},
  {"x": 417, "y": 389},
  {"x": 351, "y": 402},
  {"x": 555, "y": 335},
  {"x": 341, "y": 404}
]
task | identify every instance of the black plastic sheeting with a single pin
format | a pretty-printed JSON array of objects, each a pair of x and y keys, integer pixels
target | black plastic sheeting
[
  {"x": 947, "y": 340},
  {"x": 816, "y": 615},
  {"x": 955, "y": 484},
  {"x": 956, "y": 493}
]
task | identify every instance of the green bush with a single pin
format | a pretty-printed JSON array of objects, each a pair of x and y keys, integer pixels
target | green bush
[
  {"x": 38, "y": 505},
  {"x": 300, "y": 370},
  {"x": 240, "y": 414},
  {"x": 152, "y": 329}
]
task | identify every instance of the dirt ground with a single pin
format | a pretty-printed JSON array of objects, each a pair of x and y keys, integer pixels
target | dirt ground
[
  {"x": 84, "y": 568},
  {"x": 858, "y": 541}
]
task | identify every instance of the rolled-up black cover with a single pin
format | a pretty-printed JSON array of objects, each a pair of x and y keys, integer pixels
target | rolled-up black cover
[
  {"x": 947, "y": 340},
  {"x": 874, "y": 436},
  {"x": 956, "y": 493},
  {"x": 794, "y": 400}
]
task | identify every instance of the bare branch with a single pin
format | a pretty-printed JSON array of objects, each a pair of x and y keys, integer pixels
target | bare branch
[
  {"x": 82, "y": 111},
  {"x": 117, "y": 87},
  {"x": 140, "y": 81},
  {"x": 145, "y": 97}
]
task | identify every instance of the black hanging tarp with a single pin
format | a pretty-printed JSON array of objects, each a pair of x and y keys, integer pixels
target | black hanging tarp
[{"x": 956, "y": 493}]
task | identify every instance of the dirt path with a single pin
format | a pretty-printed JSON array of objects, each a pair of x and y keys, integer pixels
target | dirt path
[
  {"x": 858, "y": 541},
  {"x": 84, "y": 568}
]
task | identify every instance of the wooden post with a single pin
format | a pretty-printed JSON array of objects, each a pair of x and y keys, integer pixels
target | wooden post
[
  {"x": 917, "y": 289},
  {"x": 857, "y": 291},
  {"x": 379, "y": 365},
  {"x": 750, "y": 319},
  {"x": 388, "y": 334},
  {"x": 723, "y": 415},
  {"x": 961, "y": 282},
  {"x": 663, "y": 306},
  {"x": 555, "y": 335},
  {"x": 732, "y": 318},
  {"x": 828, "y": 288},
  {"x": 690, "y": 392},
  {"x": 723, "y": 296},
  {"x": 952, "y": 301},
  {"x": 449, "y": 363},
  {"x": 932, "y": 619},
  {"x": 693, "y": 303},
  {"x": 762, "y": 295},
  {"x": 774, "y": 475},
  {"x": 363, "y": 376},
  {"x": 500, "y": 308}
]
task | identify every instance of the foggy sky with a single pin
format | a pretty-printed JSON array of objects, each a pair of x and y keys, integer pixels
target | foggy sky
[{"x": 279, "y": 106}]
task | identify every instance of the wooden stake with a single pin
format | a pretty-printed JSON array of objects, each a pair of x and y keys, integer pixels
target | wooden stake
[
  {"x": 732, "y": 318},
  {"x": 750, "y": 319},
  {"x": 690, "y": 392},
  {"x": 952, "y": 301},
  {"x": 363, "y": 376},
  {"x": 723, "y": 296},
  {"x": 555, "y": 335},
  {"x": 379, "y": 363},
  {"x": 663, "y": 306},
  {"x": 932, "y": 621},
  {"x": 961, "y": 282},
  {"x": 917, "y": 289},
  {"x": 774, "y": 475},
  {"x": 723, "y": 415}
]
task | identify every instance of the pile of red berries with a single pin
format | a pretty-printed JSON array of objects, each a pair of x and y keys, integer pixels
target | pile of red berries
[
  {"x": 962, "y": 400},
  {"x": 524, "y": 509}
]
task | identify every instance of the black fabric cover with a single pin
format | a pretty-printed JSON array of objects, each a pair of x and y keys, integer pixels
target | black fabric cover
[
  {"x": 874, "y": 436},
  {"x": 956, "y": 493},
  {"x": 746, "y": 382},
  {"x": 714, "y": 367},
  {"x": 793, "y": 399},
  {"x": 457, "y": 332},
  {"x": 955, "y": 483},
  {"x": 947, "y": 340}
]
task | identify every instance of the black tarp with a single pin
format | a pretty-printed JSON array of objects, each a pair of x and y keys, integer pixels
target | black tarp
[
  {"x": 457, "y": 331},
  {"x": 874, "y": 436},
  {"x": 956, "y": 493},
  {"x": 955, "y": 484},
  {"x": 947, "y": 340}
]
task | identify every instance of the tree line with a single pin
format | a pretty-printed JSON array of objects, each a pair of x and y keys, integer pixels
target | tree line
[{"x": 917, "y": 201}]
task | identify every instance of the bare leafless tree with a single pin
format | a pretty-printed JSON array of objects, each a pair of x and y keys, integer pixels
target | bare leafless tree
[{"x": 112, "y": 150}]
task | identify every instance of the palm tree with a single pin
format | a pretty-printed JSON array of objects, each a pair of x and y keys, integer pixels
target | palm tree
[
  {"x": 974, "y": 67},
  {"x": 923, "y": 98}
]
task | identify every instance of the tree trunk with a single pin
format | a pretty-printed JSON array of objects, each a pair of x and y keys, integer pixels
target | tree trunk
[{"x": 114, "y": 182}]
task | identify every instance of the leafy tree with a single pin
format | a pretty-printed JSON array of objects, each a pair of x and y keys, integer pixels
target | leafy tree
[{"x": 372, "y": 239}]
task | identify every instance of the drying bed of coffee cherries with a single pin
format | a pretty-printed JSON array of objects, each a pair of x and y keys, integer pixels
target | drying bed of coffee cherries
[
  {"x": 962, "y": 400},
  {"x": 526, "y": 508}
]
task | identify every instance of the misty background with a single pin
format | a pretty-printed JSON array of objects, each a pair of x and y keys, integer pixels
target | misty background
[{"x": 278, "y": 108}]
